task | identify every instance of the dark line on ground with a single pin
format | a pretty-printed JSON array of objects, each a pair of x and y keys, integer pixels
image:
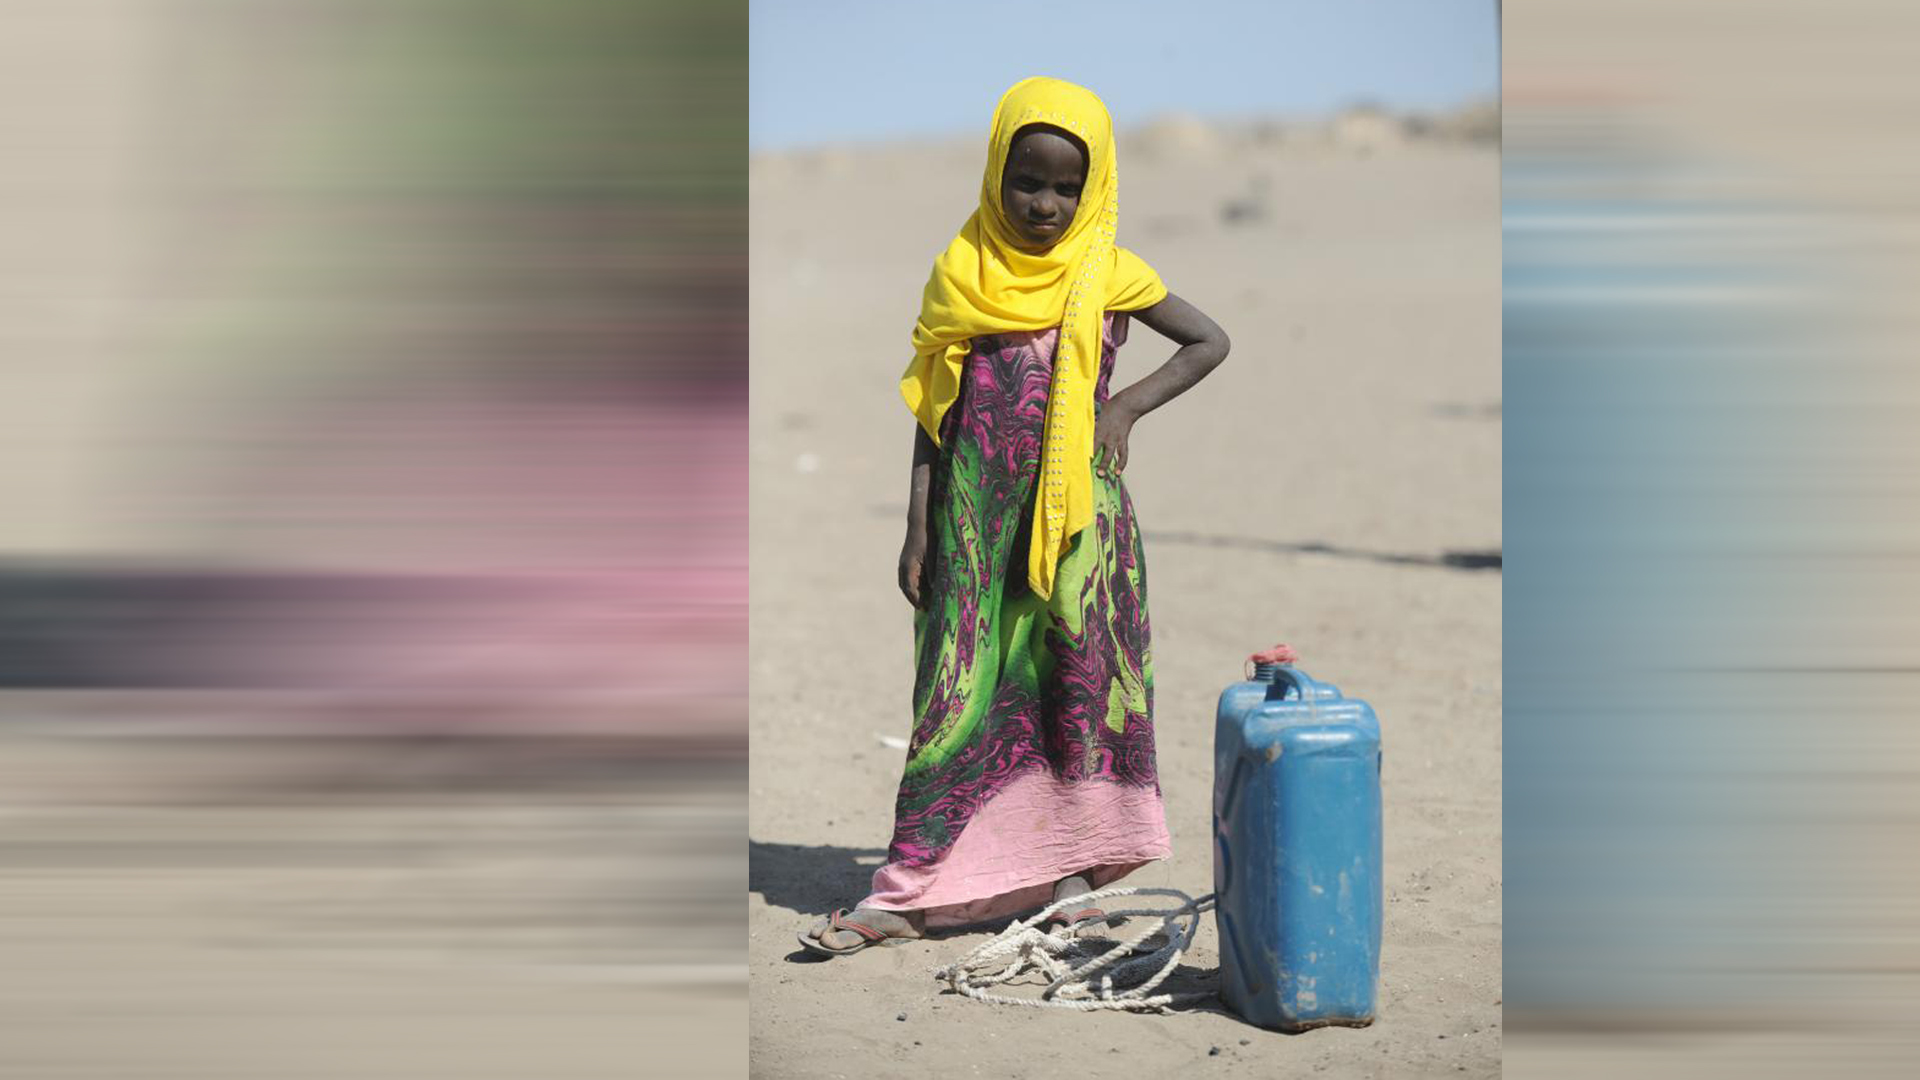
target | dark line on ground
[{"x": 1447, "y": 560}]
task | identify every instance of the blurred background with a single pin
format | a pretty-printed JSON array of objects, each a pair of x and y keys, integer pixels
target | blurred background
[
  {"x": 1323, "y": 180},
  {"x": 1712, "y": 243},
  {"x": 372, "y": 537}
]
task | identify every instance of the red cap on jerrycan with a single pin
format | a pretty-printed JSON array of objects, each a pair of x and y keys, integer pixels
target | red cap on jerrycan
[
  {"x": 1279, "y": 654},
  {"x": 1271, "y": 658}
]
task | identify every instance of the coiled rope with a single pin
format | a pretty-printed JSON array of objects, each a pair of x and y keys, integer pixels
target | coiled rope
[{"x": 1080, "y": 975}]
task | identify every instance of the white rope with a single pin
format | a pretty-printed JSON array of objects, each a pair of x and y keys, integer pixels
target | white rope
[{"x": 1070, "y": 964}]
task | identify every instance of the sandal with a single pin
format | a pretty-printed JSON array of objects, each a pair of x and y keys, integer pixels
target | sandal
[
  {"x": 838, "y": 921},
  {"x": 1070, "y": 920}
]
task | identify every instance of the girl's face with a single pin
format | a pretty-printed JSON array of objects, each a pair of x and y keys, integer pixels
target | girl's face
[{"x": 1040, "y": 188}]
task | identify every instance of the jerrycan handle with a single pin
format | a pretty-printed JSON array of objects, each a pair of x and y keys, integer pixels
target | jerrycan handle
[{"x": 1303, "y": 688}]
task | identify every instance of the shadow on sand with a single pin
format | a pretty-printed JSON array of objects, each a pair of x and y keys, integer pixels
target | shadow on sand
[
  {"x": 1446, "y": 560},
  {"x": 1470, "y": 560},
  {"x": 810, "y": 880}
]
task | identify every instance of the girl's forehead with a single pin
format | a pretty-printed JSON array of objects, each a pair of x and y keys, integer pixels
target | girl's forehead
[{"x": 1044, "y": 141}]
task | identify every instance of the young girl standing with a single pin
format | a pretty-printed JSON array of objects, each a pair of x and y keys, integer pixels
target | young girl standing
[{"x": 1030, "y": 774}]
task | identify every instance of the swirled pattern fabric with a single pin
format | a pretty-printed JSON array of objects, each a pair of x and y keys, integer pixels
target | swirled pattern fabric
[{"x": 1008, "y": 684}]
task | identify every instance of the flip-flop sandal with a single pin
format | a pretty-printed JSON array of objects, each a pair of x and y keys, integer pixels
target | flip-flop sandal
[
  {"x": 837, "y": 921},
  {"x": 1070, "y": 921}
]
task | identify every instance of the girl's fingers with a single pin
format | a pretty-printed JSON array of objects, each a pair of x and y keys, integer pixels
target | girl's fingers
[{"x": 913, "y": 580}]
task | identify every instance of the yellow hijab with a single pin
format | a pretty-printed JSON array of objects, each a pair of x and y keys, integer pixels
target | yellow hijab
[{"x": 984, "y": 284}]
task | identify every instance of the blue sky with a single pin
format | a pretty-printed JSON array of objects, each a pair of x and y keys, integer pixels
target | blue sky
[{"x": 850, "y": 70}]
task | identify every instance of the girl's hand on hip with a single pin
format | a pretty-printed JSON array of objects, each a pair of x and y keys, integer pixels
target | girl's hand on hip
[
  {"x": 1110, "y": 433},
  {"x": 913, "y": 568}
]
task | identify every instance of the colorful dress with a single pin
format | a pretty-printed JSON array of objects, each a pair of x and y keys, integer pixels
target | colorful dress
[{"x": 1032, "y": 755}]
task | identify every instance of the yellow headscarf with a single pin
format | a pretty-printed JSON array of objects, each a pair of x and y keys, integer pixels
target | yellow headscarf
[{"x": 984, "y": 284}]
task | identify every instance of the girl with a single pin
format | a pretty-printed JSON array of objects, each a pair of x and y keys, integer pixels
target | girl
[{"x": 1030, "y": 773}]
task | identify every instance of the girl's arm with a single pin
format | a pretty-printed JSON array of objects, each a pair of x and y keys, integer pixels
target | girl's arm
[
  {"x": 1202, "y": 346},
  {"x": 913, "y": 553}
]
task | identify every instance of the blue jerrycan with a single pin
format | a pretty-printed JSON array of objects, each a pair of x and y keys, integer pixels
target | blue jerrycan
[{"x": 1296, "y": 863}]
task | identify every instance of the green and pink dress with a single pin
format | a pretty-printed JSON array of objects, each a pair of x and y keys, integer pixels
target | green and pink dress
[{"x": 1032, "y": 755}]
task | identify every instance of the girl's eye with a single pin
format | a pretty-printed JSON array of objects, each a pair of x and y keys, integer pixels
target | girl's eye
[
  {"x": 1070, "y": 191},
  {"x": 1026, "y": 183}
]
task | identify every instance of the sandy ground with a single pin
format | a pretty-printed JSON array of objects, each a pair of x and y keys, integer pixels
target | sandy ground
[{"x": 1336, "y": 485}]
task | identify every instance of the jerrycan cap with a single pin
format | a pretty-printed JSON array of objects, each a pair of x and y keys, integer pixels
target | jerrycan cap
[{"x": 1261, "y": 665}]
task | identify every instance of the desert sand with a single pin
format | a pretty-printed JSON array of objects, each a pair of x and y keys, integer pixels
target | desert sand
[{"x": 1335, "y": 485}]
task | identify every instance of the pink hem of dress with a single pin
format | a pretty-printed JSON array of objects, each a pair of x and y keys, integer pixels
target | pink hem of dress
[{"x": 1036, "y": 831}]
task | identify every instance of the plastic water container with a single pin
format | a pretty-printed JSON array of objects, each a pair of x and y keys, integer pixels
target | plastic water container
[{"x": 1296, "y": 865}]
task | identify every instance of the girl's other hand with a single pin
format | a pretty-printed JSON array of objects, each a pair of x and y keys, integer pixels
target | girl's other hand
[
  {"x": 1110, "y": 434},
  {"x": 913, "y": 568}
]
